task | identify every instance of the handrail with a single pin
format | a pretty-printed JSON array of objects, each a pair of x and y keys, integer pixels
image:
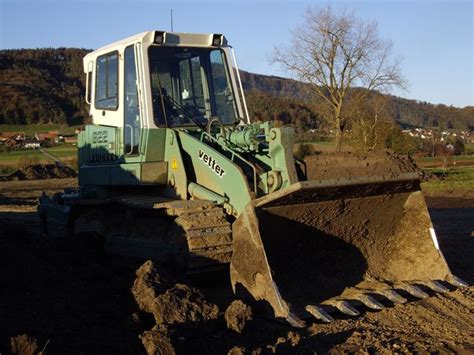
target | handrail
[{"x": 131, "y": 138}]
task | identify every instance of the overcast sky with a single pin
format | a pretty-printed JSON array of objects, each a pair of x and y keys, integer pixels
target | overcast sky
[{"x": 433, "y": 38}]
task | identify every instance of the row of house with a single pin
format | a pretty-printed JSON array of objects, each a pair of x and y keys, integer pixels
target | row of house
[
  {"x": 55, "y": 137},
  {"x": 11, "y": 139},
  {"x": 20, "y": 140},
  {"x": 443, "y": 136}
]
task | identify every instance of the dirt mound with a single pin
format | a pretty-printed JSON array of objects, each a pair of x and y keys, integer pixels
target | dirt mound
[
  {"x": 182, "y": 304},
  {"x": 285, "y": 344},
  {"x": 170, "y": 306},
  {"x": 41, "y": 172},
  {"x": 237, "y": 315},
  {"x": 177, "y": 304},
  {"x": 147, "y": 286},
  {"x": 24, "y": 345},
  {"x": 347, "y": 165},
  {"x": 157, "y": 342},
  {"x": 237, "y": 350}
]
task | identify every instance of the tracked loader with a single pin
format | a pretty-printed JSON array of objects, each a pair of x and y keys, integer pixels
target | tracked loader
[{"x": 173, "y": 169}]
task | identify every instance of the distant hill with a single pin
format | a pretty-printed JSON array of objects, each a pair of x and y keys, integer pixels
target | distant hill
[
  {"x": 406, "y": 112},
  {"x": 47, "y": 85},
  {"x": 41, "y": 85}
]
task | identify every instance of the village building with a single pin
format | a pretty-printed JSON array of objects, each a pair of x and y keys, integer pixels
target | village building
[
  {"x": 11, "y": 139},
  {"x": 31, "y": 144},
  {"x": 52, "y": 137}
]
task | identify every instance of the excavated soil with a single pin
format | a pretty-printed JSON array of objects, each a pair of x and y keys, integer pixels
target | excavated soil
[
  {"x": 67, "y": 296},
  {"x": 176, "y": 304},
  {"x": 41, "y": 172},
  {"x": 347, "y": 165},
  {"x": 237, "y": 315}
]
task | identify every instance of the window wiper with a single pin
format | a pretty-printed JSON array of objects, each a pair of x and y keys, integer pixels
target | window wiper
[
  {"x": 164, "y": 96},
  {"x": 181, "y": 110}
]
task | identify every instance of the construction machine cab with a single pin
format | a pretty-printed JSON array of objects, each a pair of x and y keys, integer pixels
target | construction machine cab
[
  {"x": 164, "y": 80},
  {"x": 141, "y": 87}
]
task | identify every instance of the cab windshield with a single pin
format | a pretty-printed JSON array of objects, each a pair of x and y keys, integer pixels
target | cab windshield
[{"x": 190, "y": 85}]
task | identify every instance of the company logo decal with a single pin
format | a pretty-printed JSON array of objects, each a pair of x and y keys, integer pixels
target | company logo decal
[
  {"x": 211, "y": 163},
  {"x": 102, "y": 158}
]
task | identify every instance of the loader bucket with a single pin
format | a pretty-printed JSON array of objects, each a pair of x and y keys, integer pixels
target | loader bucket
[{"x": 323, "y": 246}]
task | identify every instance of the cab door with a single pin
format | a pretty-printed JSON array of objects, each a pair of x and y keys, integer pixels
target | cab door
[
  {"x": 132, "y": 122},
  {"x": 129, "y": 170}
]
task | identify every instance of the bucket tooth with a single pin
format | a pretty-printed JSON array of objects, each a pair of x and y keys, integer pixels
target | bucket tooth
[
  {"x": 393, "y": 296},
  {"x": 345, "y": 307},
  {"x": 319, "y": 313},
  {"x": 370, "y": 302},
  {"x": 413, "y": 290},
  {"x": 456, "y": 281},
  {"x": 294, "y": 321},
  {"x": 435, "y": 286}
]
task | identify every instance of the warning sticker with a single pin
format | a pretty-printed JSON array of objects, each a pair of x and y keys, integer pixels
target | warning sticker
[{"x": 174, "y": 164}]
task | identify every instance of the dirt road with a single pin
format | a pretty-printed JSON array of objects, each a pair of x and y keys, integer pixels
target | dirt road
[{"x": 72, "y": 298}]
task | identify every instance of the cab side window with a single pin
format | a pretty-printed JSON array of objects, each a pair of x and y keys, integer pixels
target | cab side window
[
  {"x": 131, "y": 108},
  {"x": 106, "y": 86}
]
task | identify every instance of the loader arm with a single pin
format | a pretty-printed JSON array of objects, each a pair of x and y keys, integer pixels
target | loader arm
[
  {"x": 238, "y": 164},
  {"x": 213, "y": 175},
  {"x": 219, "y": 177}
]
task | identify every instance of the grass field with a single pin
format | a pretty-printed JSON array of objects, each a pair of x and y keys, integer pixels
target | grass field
[
  {"x": 10, "y": 161},
  {"x": 469, "y": 148},
  {"x": 31, "y": 129},
  {"x": 61, "y": 151},
  {"x": 451, "y": 158},
  {"x": 452, "y": 179},
  {"x": 450, "y": 162},
  {"x": 11, "y": 158}
]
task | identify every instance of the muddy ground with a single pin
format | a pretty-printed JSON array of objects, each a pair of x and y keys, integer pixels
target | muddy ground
[{"x": 68, "y": 297}]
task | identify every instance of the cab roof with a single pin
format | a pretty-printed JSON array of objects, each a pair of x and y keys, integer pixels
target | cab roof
[{"x": 181, "y": 39}]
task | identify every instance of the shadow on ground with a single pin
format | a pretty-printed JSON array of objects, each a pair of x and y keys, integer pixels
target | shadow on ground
[
  {"x": 454, "y": 228},
  {"x": 64, "y": 292}
]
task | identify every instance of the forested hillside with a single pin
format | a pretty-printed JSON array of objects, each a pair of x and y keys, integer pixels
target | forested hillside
[
  {"x": 47, "y": 85},
  {"x": 404, "y": 111},
  {"x": 41, "y": 85}
]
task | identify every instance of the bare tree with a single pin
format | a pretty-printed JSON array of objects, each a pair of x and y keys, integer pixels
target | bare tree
[
  {"x": 334, "y": 53},
  {"x": 370, "y": 119}
]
